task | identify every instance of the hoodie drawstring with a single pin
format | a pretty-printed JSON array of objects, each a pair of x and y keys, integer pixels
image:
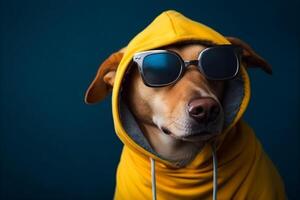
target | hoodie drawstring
[
  {"x": 153, "y": 179},
  {"x": 215, "y": 172},
  {"x": 215, "y": 175}
]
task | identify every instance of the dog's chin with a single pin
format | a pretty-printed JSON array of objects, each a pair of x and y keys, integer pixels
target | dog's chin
[{"x": 199, "y": 136}]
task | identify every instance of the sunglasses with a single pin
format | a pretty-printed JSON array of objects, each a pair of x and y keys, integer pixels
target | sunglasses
[{"x": 160, "y": 68}]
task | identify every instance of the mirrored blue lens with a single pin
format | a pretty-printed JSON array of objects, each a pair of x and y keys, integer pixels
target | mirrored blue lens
[
  {"x": 219, "y": 62},
  {"x": 161, "y": 68}
]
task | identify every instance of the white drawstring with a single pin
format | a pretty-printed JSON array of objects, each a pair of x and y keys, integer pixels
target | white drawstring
[
  {"x": 153, "y": 179},
  {"x": 215, "y": 175},
  {"x": 215, "y": 172}
]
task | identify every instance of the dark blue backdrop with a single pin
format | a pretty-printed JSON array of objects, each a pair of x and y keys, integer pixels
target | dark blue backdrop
[{"x": 53, "y": 146}]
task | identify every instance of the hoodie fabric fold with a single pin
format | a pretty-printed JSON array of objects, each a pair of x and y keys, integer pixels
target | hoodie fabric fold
[{"x": 241, "y": 159}]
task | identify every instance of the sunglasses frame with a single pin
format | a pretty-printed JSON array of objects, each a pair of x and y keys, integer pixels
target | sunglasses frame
[{"x": 139, "y": 59}]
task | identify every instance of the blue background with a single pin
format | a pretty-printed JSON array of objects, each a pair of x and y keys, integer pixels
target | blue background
[{"x": 53, "y": 146}]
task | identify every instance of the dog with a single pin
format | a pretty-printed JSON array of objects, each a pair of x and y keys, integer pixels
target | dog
[{"x": 181, "y": 124}]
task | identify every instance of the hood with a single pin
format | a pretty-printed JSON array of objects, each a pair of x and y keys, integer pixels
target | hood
[{"x": 171, "y": 27}]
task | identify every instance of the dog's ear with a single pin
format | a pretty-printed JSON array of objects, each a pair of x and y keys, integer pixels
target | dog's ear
[
  {"x": 249, "y": 56},
  {"x": 104, "y": 80}
]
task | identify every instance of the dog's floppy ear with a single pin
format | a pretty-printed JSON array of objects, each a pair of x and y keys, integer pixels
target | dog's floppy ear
[
  {"x": 104, "y": 80},
  {"x": 249, "y": 56}
]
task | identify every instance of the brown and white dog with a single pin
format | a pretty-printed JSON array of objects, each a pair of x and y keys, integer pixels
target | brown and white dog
[
  {"x": 177, "y": 120},
  {"x": 186, "y": 140}
]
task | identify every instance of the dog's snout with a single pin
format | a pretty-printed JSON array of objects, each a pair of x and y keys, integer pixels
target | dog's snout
[{"x": 204, "y": 109}]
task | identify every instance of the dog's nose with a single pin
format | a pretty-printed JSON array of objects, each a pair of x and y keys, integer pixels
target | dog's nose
[{"x": 204, "y": 109}]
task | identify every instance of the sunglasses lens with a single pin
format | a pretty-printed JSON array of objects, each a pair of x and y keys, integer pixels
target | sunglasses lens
[
  {"x": 161, "y": 68},
  {"x": 219, "y": 62}
]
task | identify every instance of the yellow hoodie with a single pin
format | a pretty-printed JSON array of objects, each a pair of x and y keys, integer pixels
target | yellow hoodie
[{"x": 244, "y": 170}]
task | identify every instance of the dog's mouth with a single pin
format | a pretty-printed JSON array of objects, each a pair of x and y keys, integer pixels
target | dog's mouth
[
  {"x": 166, "y": 131},
  {"x": 192, "y": 137}
]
